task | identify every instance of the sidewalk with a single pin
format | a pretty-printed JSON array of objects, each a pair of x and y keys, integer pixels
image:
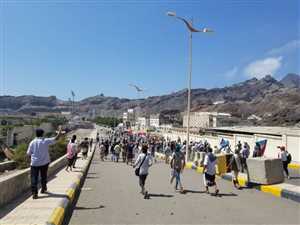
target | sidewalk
[{"x": 48, "y": 208}]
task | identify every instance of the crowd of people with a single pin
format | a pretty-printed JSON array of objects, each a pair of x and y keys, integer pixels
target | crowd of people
[
  {"x": 139, "y": 151},
  {"x": 125, "y": 147}
]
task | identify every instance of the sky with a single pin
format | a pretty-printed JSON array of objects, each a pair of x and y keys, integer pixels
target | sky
[{"x": 50, "y": 47}]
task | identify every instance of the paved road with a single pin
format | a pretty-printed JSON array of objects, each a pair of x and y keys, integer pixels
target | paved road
[
  {"x": 110, "y": 195},
  {"x": 295, "y": 177}
]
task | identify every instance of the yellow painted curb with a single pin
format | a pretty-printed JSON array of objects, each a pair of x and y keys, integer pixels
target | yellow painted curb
[
  {"x": 242, "y": 181},
  {"x": 200, "y": 169},
  {"x": 271, "y": 189},
  {"x": 294, "y": 166},
  {"x": 77, "y": 182},
  {"x": 71, "y": 193},
  {"x": 57, "y": 216},
  {"x": 189, "y": 165}
]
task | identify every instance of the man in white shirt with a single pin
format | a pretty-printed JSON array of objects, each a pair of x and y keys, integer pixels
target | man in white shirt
[
  {"x": 209, "y": 176},
  {"x": 283, "y": 155},
  {"x": 143, "y": 162},
  {"x": 38, "y": 150}
]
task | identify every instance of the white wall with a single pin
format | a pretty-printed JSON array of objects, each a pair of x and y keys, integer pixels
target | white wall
[
  {"x": 293, "y": 146},
  {"x": 292, "y": 142}
]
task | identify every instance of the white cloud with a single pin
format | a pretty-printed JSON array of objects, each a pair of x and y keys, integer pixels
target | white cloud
[
  {"x": 231, "y": 73},
  {"x": 288, "y": 47},
  {"x": 260, "y": 68}
]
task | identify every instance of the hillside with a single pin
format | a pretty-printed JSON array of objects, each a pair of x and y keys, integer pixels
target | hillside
[{"x": 277, "y": 102}]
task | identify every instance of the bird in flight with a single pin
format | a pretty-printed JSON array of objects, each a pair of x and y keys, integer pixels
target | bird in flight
[{"x": 138, "y": 89}]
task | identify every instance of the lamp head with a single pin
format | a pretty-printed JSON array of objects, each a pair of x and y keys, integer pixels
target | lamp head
[
  {"x": 207, "y": 30},
  {"x": 171, "y": 13}
]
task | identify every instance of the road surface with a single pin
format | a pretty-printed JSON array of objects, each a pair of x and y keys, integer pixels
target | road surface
[{"x": 111, "y": 195}]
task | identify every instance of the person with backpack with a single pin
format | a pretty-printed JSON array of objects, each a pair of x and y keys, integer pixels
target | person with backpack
[
  {"x": 286, "y": 159},
  {"x": 177, "y": 166},
  {"x": 142, "y": 165},
  {"x": 210, "y": 162}
]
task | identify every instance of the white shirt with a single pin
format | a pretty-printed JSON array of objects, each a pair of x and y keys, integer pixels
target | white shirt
[
  {"x": 146, "y": 164},
  {"x": 210, "y": 166},
  {"x": 38, "y": 149},
  {"x": 283, "y": 156}
]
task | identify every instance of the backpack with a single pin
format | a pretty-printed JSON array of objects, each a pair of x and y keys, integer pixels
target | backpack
[{"x": 289, "y": 158}]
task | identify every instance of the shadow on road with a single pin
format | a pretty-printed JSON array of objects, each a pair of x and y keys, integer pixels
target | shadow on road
[
  {"x": 89, "y": 208},
  {"x": 160, "y": 196},
  {"x": 92, "y": 177},
  {"x": 225, "y": 195},
  {"x": 53, "y": 195},
  {"x": 193, "y": 192},
  {"x": 92, "y": 173}
]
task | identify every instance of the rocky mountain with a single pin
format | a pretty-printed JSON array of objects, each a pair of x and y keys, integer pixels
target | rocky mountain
[
  {"x": 291, "y": 80},
  {"x": 276, "y": 102}
]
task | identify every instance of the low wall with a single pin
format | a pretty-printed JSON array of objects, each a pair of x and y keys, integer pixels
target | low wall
[
  {"x": 14, "y": 185},
  {"x": 291, "y": 142},
  {"x": 9, "y": 165}
]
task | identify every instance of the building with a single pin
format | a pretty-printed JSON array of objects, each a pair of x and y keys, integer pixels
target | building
[
  {"x": 155, "y": 120},
  {"x": 207, "y": 119},
  {"x": 143, "y": 123},
  {"x": 129, "y": 118}
]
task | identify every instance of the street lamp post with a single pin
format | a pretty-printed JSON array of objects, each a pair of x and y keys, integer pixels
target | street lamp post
[{"x": 191, "y": 31}]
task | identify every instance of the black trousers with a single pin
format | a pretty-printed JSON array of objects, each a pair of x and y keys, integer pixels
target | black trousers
[
  {"x": 75, "y": 159},
  {"x": 244, "y": 164},
  {"x": 285, "y": 167},
  {"x": 35, "y": 171},
  {"x": 142, "y": 180}
]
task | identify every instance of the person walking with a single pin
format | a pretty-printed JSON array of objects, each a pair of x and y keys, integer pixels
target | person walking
[
  {"x": 91, "y": 144},
  {"x": 117, "y": 150},
  {"x": 143, "y": 162},
  {"x": 38, "y": 150},
  {"x": 244, "y": 156},
  {"x": 177, "y": 167},
  {"x": 102, "y": 149},
  {"x": 256, "y": 152},
  {"x": 75, "y": 157},
  {"x": 239, "y": 146},
  {"x": 234, "y": 165},
  {"x": 97, "y": 138},
  {"x": 84, "y": 146},
  {"x": 286, "y": 159},
  {"x": 130, "y": 153},
  {"x": 168, "y": 153},
  {"x": 123, "y": 151},
  {"x": 210, "y": 162},
  {"x": 71, "y": 151}
]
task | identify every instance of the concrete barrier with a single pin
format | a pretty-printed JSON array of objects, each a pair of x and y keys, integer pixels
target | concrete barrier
[
  {"x": 265, "y": 170},
  {"x": 14, "y": 185},
  {"x": 9, "y": 165}
]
